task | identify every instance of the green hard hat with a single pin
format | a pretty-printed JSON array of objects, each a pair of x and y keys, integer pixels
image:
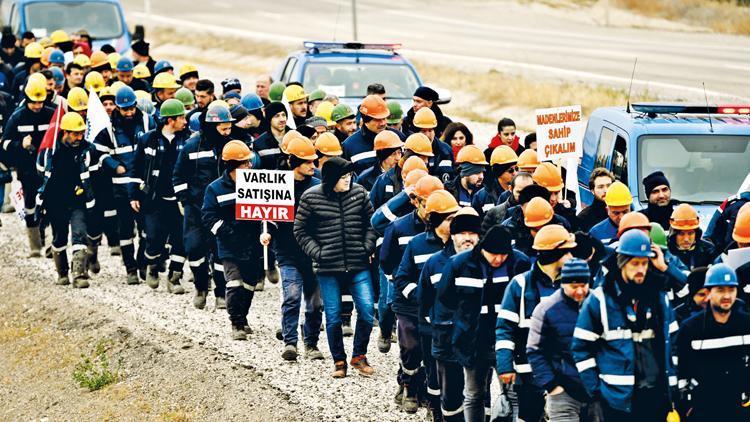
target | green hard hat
[
  {"x": 658, "y": 236},
  {"x": 316, "y": 95},
  {"x": 341, "y": 112},
  {"x": 394, "y": 107},
  {"x": 171, "y": 108},
  {"x": 275, "y": 91},
  {"x": 185, "y": 96}
]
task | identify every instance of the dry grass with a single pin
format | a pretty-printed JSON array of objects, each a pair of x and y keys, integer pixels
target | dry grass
[
  {"x": 160, "y": 35},
  {"x": 727, "y": 16},
  {"x": 502, "y": 90}
]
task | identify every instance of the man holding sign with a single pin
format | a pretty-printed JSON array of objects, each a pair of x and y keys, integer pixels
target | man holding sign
[{"x": 235, "y": 238}]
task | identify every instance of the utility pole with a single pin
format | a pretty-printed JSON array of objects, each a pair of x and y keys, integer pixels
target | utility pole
[{"x": 354, "y": 19}]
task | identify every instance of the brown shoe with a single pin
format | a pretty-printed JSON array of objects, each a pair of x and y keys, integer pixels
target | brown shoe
[
  {"x": 340, "y": 371},
  {"x": 360, "y": 364}
]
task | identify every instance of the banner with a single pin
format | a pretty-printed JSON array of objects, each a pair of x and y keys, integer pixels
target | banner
[
  {"x": 559, "y": 133},
  {"x": 265, "y": 195}
]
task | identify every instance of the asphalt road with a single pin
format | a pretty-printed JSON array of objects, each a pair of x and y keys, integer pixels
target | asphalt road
[{"x": 486, "y": 33}]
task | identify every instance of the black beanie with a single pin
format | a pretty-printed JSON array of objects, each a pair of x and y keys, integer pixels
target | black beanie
[
  {"x": 382, "y": 154},
  {"x": 466, "y": 223},
  {"x": 653, "y": 180},
  {"x": 306, "y": 131},
  {"x": 436, "y": 218},
  {"x": 258, "y": 113},
  {"x": 529, "y": 139},
  {"x": 586, "y": 245},
  {"x": 696, "y": 279},
  {"x": 469, "y": 169},
  {"x": 295, "y": 162},
  {"x": 426, "y": 93},
  {"x": 532, "y": 191},
  {"x": 497, "y": 240},
  {"x": 499, "y": 169},
  {"x": 273, "y": 109},
  {"x": 548, "y": 257},
  {"x": 141, "y": 47},
  {"x": 238, "y": 112},
  {"x": 9, "y": 41}
]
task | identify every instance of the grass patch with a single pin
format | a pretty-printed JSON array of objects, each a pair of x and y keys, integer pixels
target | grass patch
[
  {"x": 503, "y": 90},
  {"x": 202, "y": 41},
  {"x": 726, "y": 16},
  {"x": 94, "y": 372}
]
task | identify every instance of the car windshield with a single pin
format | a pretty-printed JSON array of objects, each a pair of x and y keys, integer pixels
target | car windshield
[
  {"x": 100, "y": 20},
  {"x": 352, "y": 79},
  {"x": 700, "y": 168}
]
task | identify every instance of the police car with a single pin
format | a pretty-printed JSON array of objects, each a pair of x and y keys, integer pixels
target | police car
[
  {"x": 704, "y": 151},
  {"x": 346, "y": 69}
]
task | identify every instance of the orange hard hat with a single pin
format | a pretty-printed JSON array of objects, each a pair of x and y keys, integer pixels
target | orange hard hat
[
  {"x": 426, "y": 185},
  {"x": 419, "y": 144},
  {"x": 471, "y": 154},
  {"x": 538, "y": 212},
  {"x": 412, "y": 163},
  {"x": 425, "y": 118},
  {"x": 374, "y": 106},
  {"x": 633, "y": 220},
  {"x": 441, "y": 201},
  {"x": 547, "y": 175},
  {"x": 684, "y": 217},
  {"x": 328, "y": 144},
  {"x": 301, "y": 148},
  {"x": 414, "y": 176},
  {"x": 503, "y": 155},
  {"x": 292, "y": 134},
  {"x": 98, "y": 59},
  {"x": 235, "y": 151},
  {"x": 553, "y": 236},
  {"x": 741, "y": 232},
  {"x": 528, "y": 161},
  {"x": 387, "y": 139}
]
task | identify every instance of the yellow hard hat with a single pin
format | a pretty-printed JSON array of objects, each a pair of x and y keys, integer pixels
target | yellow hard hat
[
  {"x": 215, "y": 103},
  {"x": 82, "y": 60},
  {"x": 72, "y": 122},
  {"x": 140, "y": 94},
  {"x": 116, "y": 85},
  {"x": 59, "y": 36},
  {"x": 141, "y": 71},
  {"x": 94, "y": 81},
  {"x": 37, "y": 78},
  {"x": 293, "y": 93},
  {"x": 46, "y": 42},
  {"x": 78, "y": 100},
  {"x": 618, "y": 195},
  {"x": 36, "y": 90},
  {"x": 33, "y": 51},
  {"x": 106, "y": 92},
  {"x": 324, "y": 110},
  {"x": 165, "y": 80},
  {"x": 425, "y": 118},
  {"x": 187, "y": 68},
  {"x": 113, "y": 58}
]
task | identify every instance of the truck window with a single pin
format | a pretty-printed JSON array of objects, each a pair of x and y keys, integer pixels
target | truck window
[
  {"x": 287, "y": 73},
  {"x": 603, "y": 152},
  {"x": 620, "y": 160},
  {"x": 15, "y": 22},
  {"x": 101, "y": 20}
]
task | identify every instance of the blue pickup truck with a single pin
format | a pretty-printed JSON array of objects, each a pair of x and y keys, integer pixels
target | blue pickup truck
[
  {"x": 703, "y": 150},
  {"x": 345, "y": 69},
  {"x": 104, "y": 20}
]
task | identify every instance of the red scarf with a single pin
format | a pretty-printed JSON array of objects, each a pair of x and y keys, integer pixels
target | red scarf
[{"x": 496, "y": 142}]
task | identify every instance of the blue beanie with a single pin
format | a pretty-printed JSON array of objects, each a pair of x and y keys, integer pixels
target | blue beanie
[{"x": 576, "y": 271}]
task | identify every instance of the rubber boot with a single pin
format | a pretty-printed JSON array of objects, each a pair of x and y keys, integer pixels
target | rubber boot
[
  {"x": 93, "y": 258},
  {"x": 114, "y": 251},
  {"x": 61, "y": 264},
  {"x": 79, "y": 269},
  {"x": 199, "y": 301},
  {"x": 133, "y": 278},
  {"x": 35, "y": 242},
  {"x": 152, "y": 276},
  {"x": 261, "y": 285},
  {"x": 410, "y": 403},
  {"x": 173, "y": 285}
]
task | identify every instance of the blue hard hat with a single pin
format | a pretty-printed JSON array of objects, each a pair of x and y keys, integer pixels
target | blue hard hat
[
  {"x": 251, "y": 101},
  {"x": 720, "y": 275},
  {"x": 635, "y": 243},
  {"x": 124, "y": 65},
  {"x": 162, "y": 66},
  {"x": 58, "y": 74},
  {"x": 254, "y": 160},
  {"x": 125, "y": 97},
  {"x": 57, "y": 57},
  {"x": 195, "y": 122},
  {"x": 218, "y": 114},
  {"x": 146, "y": 106}
]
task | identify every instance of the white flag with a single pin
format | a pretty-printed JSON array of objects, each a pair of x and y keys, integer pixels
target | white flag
[{"x": 97, "y": 119}]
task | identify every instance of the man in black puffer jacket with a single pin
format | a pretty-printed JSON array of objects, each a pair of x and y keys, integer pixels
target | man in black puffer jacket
[{"x": 333, "y": 228}]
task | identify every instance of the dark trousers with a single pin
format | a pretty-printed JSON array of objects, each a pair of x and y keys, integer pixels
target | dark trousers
[
  {"x": 410, "y": 353},
  {"x": 648, "y": 405},
  {"x": 163, "y": 223},
  {"x": 66, "y": 221},
  {"x": 30, "y": 185},
  {"x": 432, "y": 392},
  {"x": 242, "y": 276},
  {"x": 451, "y": 376},
  {"x": 531, "y": 399},
  {"x": 200, "y": 246}
]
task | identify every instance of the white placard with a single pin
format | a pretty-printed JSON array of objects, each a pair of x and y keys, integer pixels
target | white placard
[
  {"x": 559, "y": 132},
  {"x": 264, "y": 195}
]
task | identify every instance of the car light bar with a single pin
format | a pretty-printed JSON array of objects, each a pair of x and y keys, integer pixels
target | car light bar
[
  {"x": 734, "y": 109},
  {"x": 662, "y": 108},
  {"x": 329, "y": 45}
]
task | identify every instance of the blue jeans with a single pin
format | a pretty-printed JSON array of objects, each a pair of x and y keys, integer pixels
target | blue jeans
[
  {"x": 295, "y": 285},
  {"x": 385, "y": 313},
  {"x": 360, "y": 288}
]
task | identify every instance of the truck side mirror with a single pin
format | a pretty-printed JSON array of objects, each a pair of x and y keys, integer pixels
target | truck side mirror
[{"x": 139, "y": 33}]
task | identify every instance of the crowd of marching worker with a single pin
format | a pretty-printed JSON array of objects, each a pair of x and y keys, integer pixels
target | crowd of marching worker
[{"x": 475, "y": 262}]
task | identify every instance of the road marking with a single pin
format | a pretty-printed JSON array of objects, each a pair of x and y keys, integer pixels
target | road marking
[{"x": 737, "y": 67}]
